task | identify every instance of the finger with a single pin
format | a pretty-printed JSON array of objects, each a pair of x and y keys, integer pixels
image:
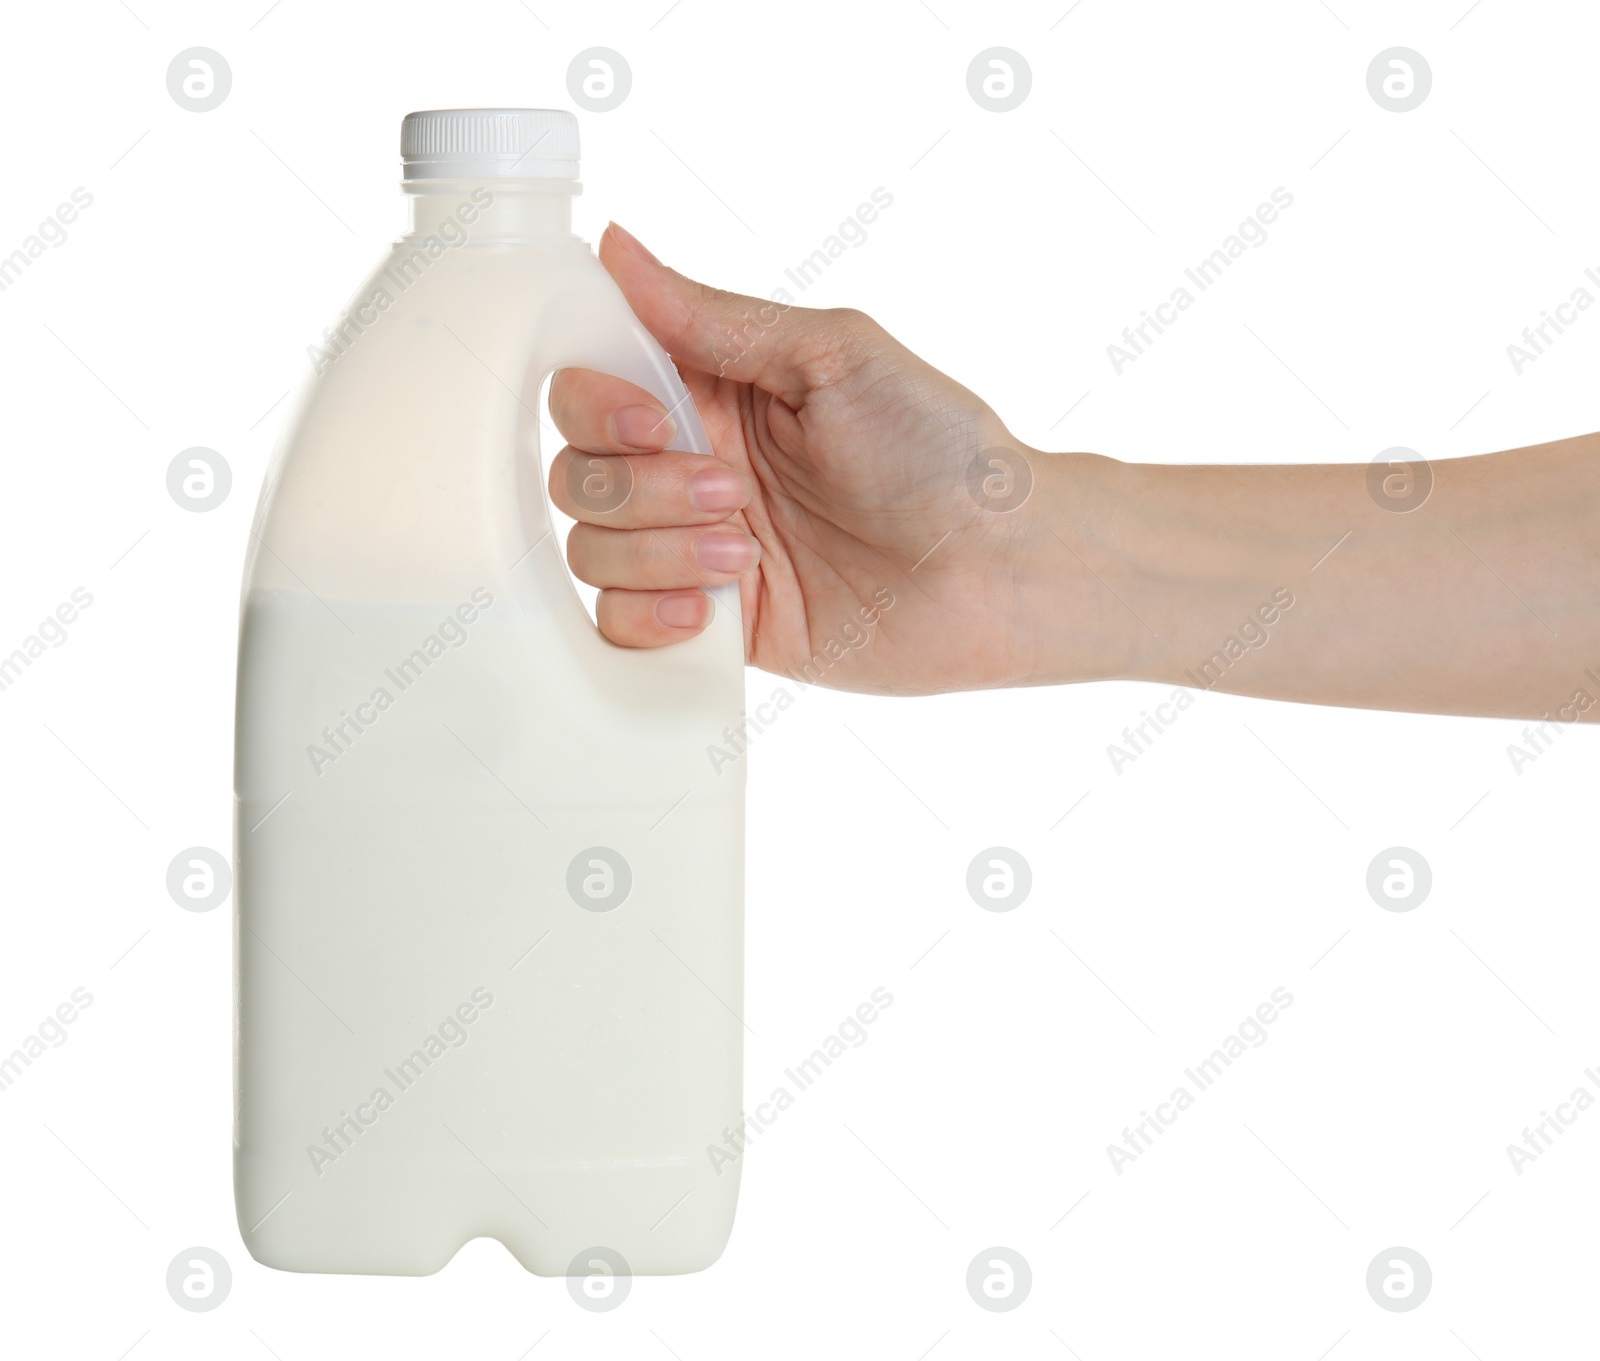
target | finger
[
  {"x": 607, "y": 415},
  {"x": 783, "y": 349},
  {"x": 659, "y": 559},
  {"x": 652, "y": 618},
  {"x": 671, "y": 488}
]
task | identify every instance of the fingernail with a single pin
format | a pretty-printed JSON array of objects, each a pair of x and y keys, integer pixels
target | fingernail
[
  {"x": 716, "y": 489},
  {"x": 687, "y": 610},
  {"x": 726, "y": 552},
  {"x": 629, "y": 242},
  {"x": 642, "y": 427}
]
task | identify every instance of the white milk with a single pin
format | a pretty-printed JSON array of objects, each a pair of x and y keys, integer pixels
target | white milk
[{"x": 488, "y": 865}]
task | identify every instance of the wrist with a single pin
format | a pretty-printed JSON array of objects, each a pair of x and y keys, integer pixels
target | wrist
[
  {"x": 1177, "y": 573},
  {"x": 1083, "y": 583}
]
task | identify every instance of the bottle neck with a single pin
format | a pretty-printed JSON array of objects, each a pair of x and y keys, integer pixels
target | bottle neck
[{"x": 498, "y": 210}]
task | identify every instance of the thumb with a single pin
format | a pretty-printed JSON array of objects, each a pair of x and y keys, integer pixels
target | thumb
[{"x": 776, "y": 346}]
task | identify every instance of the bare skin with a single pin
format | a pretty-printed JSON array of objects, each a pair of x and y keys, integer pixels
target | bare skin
[{"x": 847, "y": 468}]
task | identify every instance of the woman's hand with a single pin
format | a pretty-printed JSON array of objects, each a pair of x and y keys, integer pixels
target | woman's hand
[{"x": 847, "y": 497}]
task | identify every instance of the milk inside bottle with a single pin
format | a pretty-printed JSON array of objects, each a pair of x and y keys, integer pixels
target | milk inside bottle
[{"x": 489, "y": 876}]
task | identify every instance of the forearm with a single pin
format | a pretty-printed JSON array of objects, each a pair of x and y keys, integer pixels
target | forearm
[{"x": 1293, "y": 582}]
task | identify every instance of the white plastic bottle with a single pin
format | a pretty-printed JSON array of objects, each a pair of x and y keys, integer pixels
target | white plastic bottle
[{"x": 489, "y": 865}]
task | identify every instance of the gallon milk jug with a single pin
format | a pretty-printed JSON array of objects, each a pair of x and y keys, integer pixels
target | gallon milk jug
[{"x": 489, "y": 882}]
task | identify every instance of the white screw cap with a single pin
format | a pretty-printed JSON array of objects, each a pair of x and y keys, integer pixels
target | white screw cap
[{"x": 478, "y": 144}]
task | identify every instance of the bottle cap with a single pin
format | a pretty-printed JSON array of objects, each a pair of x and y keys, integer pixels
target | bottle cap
[{"x": 479, "y": 144}]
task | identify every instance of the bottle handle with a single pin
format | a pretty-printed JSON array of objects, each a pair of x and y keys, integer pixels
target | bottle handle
[{"x": 602, "y": 333}]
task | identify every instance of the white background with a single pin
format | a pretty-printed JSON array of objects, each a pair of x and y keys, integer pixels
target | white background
[{"x": 1227, "y": 861}]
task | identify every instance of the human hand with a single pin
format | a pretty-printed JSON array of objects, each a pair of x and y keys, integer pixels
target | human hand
[{"x": 841, "y": 497}]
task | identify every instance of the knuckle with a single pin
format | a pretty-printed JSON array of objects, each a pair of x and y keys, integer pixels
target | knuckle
[
  {"x": 557, "y": 481},
  {"x": 608, "y": 612},
  {"x": 577, "y": 552},
  {"x": 565, "y": 398},
  {"x": 658, "y": 550},
  {"x": 853, "y": 322},
  {"x": 598, "y": 487},
  {"x": 845, "y": 339}
]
